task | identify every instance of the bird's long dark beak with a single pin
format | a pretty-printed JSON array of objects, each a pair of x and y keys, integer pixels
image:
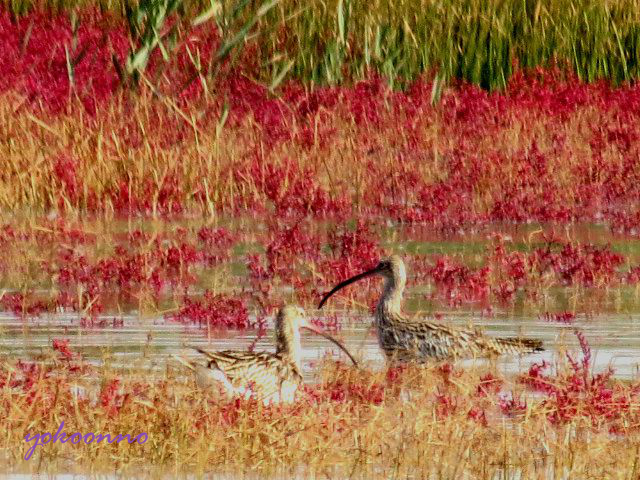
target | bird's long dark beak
[
  {"x": 349, "y": 281},
  {"x": 324, "y": 334}
]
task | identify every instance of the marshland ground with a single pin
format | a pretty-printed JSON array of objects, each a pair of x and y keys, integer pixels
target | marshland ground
[{"x": 174, "y": 171}]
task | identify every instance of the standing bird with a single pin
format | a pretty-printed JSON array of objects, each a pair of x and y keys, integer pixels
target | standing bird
[
  {"x": 403, "y": 339},
  {"x": 272, "y": 377}
]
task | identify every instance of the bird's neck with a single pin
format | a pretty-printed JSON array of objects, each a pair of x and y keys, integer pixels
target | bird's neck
[
  {"x": 391, "y": 300},
  {"x": 288, "y": 344}
]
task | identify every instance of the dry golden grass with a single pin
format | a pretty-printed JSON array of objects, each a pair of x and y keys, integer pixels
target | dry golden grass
[
  {"x": 344, "y": 427},
  {"x": 143, "y": 146}
]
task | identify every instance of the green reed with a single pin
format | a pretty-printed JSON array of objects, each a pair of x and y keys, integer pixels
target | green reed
[{"x": 480, "y": 41}]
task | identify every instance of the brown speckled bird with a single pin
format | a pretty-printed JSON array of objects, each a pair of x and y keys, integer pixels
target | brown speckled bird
[
  {"x": 271, "y": 377},
  {"x": 403, "y": 339}
]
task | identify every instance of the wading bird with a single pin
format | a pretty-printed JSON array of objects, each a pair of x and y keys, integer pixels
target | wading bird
[
  {"x": 403, "y": 339},
  {"x": 271, "y": 377}
]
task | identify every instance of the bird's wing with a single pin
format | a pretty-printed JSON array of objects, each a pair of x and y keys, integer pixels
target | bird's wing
[
  {"x": 263, "y": 372},
  {"x": 450, "y": 341},
  {"x": 444, "y": 341}
]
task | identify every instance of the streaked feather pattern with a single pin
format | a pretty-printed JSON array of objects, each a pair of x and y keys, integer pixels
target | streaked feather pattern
[
  {"x": 273, "y": 377},
  {"x": 404, "y": 340}
]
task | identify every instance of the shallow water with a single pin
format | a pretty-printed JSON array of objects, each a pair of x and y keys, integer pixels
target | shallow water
[{"x": 149, "y": 344}]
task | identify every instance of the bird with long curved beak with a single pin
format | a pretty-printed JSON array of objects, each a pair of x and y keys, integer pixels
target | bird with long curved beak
[
  {"x": 271, "y": 377},
  {"x": 403, "y": 339}
]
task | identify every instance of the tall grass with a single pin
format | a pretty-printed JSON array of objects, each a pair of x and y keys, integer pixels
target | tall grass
[
  {"x": 418, "y": 423},
  {"x": 334, "y": 41},
  {"x": 474, "y": 40}
]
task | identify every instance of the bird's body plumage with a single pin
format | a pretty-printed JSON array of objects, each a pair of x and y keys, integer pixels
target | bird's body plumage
[
  {"x": 403, "y": 340},
  {"x": 272, "y": 377}
]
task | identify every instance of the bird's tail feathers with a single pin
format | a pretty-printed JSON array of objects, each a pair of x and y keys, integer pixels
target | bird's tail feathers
[
  {"x": 184, "y": 362},
  {"x": 521, "y": 345}
]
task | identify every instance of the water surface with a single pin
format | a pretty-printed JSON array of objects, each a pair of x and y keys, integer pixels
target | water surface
[{"x": 149, "y": 343}]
